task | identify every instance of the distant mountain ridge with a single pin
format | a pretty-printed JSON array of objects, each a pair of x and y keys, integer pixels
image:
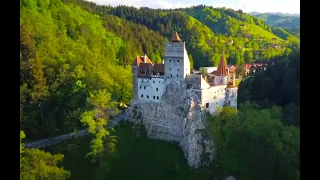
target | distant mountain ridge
[
  {"x": 283, "y": 20},
  {"x": 274, "y": 13}
]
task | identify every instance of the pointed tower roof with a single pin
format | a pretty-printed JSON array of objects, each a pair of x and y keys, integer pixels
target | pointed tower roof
[
  {"x": 222, "y": 68},
  {"x": 175, "y": 37}
]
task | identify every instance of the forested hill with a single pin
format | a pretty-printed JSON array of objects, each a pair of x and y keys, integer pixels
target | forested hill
[
  {"x": 72, "y": 48},
  {"x": 207, "y": 31}
]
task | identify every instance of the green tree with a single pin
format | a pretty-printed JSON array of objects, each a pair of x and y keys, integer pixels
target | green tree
[
  {"x": 272, "y": 149},
  {"x": 97, "y": 121},
  {"x": 240, "y": 71},
  {"x": 37, "y": 164},
  {"x": 248, "y": 57}
]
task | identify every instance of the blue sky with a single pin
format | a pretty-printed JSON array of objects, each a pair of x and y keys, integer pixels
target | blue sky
[{"x": 284, "y": 6}]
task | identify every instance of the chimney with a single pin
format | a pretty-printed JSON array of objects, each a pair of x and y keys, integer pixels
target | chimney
[
  {"x": 234, "y": 80},
  {"x": 145, "y": 58}
]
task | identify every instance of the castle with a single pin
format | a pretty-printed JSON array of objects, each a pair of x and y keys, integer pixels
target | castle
[
  {"x": 171, "y": 103},
  {"x": 150, "y": 80}
]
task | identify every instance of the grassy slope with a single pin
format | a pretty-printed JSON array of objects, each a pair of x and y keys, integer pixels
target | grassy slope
[
  {"x": 254, "y": 29},
  {"x": 136, "y": 159}
]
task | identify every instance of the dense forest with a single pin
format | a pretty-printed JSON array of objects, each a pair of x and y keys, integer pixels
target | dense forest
[{"x": 75, "y": 59}]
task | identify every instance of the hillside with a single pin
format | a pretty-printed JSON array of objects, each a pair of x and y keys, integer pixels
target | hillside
[
  {"x": 101, "y": 41},
  {"x": 280, "y": 20},
  {"x": 75, "y": 59},
  {"x": 207, "y": 31}
]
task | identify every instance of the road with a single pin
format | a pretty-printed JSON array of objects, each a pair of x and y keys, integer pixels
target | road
[{"x": 55, "y": 140}]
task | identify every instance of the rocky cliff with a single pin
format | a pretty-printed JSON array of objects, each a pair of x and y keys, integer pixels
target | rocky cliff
[{"x": 178, "y": 118}]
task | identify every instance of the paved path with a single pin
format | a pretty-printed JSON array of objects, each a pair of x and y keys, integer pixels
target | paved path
[{"x": 55, "y": 140}]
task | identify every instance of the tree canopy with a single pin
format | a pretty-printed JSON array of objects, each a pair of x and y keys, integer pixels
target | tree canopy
[{"x": 254, "y": 144}]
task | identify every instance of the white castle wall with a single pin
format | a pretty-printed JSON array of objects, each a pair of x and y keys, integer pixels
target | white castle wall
[
  {"x": 150, "y": 89},
  {"x": 186, "y": 62},
  {"x": 231, "y": 97},
  {"x": 220, "y": 80},
  {"x": 215, "y": 96}
]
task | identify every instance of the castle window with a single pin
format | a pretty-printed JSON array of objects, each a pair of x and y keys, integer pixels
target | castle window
[
  {"x": 178, "y": 60},
  {"x": 153, "y": 82},
  {"x": 171, "y": 75},
  {"x": 157, "y": 97},
  {"x": 156, "y": 89},
  {"x": 170, "y": 60},
  {"x": 144, "y": 87},
  {"x": 147, "y": 96},
  {"x": 207, "y": 105},
  {"x": 154, "y": 97},
  {"x": 140, "y": 87},
  {"x": 178, "y": 70},
  {"x": 142, "y": 95},
  {"x": 170, "y": 69},
  {"x": 159, "y": 81},
  {"x": 177, "y": 75}
]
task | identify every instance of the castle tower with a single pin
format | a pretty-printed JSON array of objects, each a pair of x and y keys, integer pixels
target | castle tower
[
  {"x": 231, "y": 93},
  {"x": 135, "y": 70},
  {"x": 176, "y": 60},
  {"x": 221, "y": 75}
]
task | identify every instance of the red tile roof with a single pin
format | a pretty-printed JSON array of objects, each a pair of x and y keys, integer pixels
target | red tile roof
[
  {"x": 158, "y": 68},
  {"x": 145, "y": 68},
  {"x": 222, "y": 68},
  {"x": 175, "y": 37},
  {"x": 140, "y": 59}
]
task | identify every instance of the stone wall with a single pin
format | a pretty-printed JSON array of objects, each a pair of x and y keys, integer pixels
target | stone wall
[{"x": 178, "y": 118}]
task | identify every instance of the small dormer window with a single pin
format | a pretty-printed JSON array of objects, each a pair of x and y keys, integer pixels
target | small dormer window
[
  {"x": 178, "y": 60},
  {"x": 147, "y": 96},
  {"x": 144, "y": 87}
]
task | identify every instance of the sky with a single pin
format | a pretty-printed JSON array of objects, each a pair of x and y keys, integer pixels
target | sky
[{"x": 284, "y": 6}]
